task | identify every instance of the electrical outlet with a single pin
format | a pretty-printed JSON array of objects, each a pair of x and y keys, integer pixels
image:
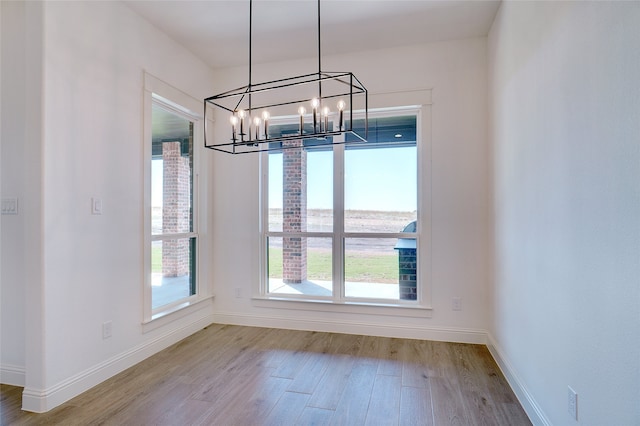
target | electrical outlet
[
  {"x": 572, "y": 403},
  {"x": 238, "y": 293},
  {"x": 106, "y": 329},
  {"x": 96, "y": 206},
  {"x": 456, "y": 304}
]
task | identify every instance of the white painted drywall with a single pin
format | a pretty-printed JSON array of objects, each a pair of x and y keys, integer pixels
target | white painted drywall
[
  {"x": 455, "y": 71},
  {"x": 21, "y": 178},
  {"x": 87, "y": 60},
  {"x": 565, "y": 134}
]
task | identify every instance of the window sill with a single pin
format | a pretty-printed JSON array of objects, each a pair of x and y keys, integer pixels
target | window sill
[
  {"x": 175, "y": 312},
  {"x": 351, "y": 307}
]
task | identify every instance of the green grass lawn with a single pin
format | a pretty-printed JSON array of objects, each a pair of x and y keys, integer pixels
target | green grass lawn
[
  {"x": 156, "y": 259},
  {"x": 363, "y": 267}
]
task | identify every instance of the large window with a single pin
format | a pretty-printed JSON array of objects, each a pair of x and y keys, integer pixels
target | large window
[
  {"x": 341, "y": 222},
  {"x": 172, "y": 239}
]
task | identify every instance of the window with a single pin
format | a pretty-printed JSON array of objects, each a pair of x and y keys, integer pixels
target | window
[
  {"x": 171, "y": 244},
  {"x": 341, "y": 223}
]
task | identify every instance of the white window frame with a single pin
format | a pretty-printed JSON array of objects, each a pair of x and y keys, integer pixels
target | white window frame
[
  {"x": 160, "y": 93},
  {"x": 337, "y": 302}
]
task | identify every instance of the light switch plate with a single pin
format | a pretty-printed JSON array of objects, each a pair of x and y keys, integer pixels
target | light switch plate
[{"x": 9, "y": 206}]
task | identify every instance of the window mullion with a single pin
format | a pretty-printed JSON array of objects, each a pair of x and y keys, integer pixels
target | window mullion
[{"x": 179, "y": 235}]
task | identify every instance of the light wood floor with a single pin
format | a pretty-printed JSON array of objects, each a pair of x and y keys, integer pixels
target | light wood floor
[{"x": 232, "y": 375}]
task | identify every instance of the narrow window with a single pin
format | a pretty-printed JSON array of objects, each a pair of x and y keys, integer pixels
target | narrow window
[
  {"x": 172, "y": 136},
  {"x": 173, "y": 232}
]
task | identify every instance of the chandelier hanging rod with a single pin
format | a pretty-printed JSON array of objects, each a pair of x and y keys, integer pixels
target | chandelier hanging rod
[{"x": 251, "y": 51}]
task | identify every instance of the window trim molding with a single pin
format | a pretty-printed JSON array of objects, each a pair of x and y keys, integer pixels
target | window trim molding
[
  {"x": 157, "y": 91},
  {"x": 422, "y": 307}
]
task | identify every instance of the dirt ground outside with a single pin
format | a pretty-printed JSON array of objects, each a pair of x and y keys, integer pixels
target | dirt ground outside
[{"x": 355, "y": 221}]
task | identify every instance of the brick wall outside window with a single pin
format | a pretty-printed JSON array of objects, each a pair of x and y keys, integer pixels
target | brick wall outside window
[
  {"x": 176, "y": 211},
  {"x": 294, "y": 212}
]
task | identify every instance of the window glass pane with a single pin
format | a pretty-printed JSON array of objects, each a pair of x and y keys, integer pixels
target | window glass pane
[
  {"x": 380, "y": 189},
  {"x": 172, "y": 270},
  {"x": 171, "y": 173},
  {"x": 301, "y": 190},
  {"x": 380, "y": 268},
  {"x": 393, "y": 130},
  {"x": 275, "y": 192},
  {"x": 320, "y": 190},
  {"x": 156, "y": 196},
  {"x": 300, "y": 265}
]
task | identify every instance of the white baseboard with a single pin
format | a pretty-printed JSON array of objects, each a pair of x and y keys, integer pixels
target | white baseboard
[
  {"x": 12, "y": 375},
  {"x": 459, "y": 335},
  {"x": 531, "y": 407},
  {"x": 40, "y": 401}
]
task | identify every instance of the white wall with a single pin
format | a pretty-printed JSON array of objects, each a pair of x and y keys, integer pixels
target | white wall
[
  {"x": 565, "y": 133},
  {"x": 91, "y": 65},
  {"x": 21, "y": 179},
  {"x": 456, "y": 73}
]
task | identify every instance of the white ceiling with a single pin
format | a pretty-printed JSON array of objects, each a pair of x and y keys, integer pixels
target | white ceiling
[{"x": 218, "y": 30}]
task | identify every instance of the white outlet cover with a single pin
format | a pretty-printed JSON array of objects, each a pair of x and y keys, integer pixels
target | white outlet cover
[
  {"x": 96, "y": 206},
  {"x": 106, "y": 329},
  {"x": 456, "y": 304}
]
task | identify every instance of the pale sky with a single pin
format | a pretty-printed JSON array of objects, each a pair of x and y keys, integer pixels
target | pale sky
[{"x": 375, "y": 179}]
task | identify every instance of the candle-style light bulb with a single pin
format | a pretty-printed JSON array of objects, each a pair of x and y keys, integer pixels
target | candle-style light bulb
[
  {"x": 302, "y": 112},
  {"x": 325, "y": 113},
  {"x": 265, "y": 118},
  {"x": 256, "y": 123},
  {"x": 315, "y": 103},
  {"x": 242, "y": 115},
  {"x": 341, "y": 105},
  {"x": 234, "y": 123}
]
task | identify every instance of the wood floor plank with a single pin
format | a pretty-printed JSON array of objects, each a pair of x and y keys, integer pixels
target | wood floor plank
[
  {"x": 368, "y": 352},
  {"x": 415, "y": 366},
  {"x": 415, "y": 406},
  {"x": 384, "y": 405},
  {"x": 439, "y": 356},
  {"x": 287, "y": 410},
  {"x": 310, "y": 374},
  {"x": 333, "y": 382},
  {"x": 154, "y": 404},
  {"x": 448, "y": 407},
  {"x": 256, "y": 403},
  {"x": 10, "y": 403},
  {"x": 315, "y": 416},
  {"x": 354, "y": 402},
  {"x": 345, "y": 344},
  {"x": 478, "y": 399},
  {"x": 388, "y": 357},
  {"x": 187, "y": 412},
  {"x": 291, "y": 365},
  {"x": 226, "y": 375}
]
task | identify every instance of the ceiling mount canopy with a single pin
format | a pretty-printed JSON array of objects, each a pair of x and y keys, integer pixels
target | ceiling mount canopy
[{"x": 322, "y": 104}]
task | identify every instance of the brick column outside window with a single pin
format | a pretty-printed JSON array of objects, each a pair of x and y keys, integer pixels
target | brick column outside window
[
  {"x": 176, "y": 209},
  {"x": 294, "y": 212}
]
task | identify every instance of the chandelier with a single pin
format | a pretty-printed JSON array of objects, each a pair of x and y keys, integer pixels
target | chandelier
[{"x": 316, "y": 109}]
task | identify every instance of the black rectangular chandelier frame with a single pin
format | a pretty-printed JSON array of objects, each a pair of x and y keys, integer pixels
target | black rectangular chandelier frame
[{"x": 248, "y": 101}]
